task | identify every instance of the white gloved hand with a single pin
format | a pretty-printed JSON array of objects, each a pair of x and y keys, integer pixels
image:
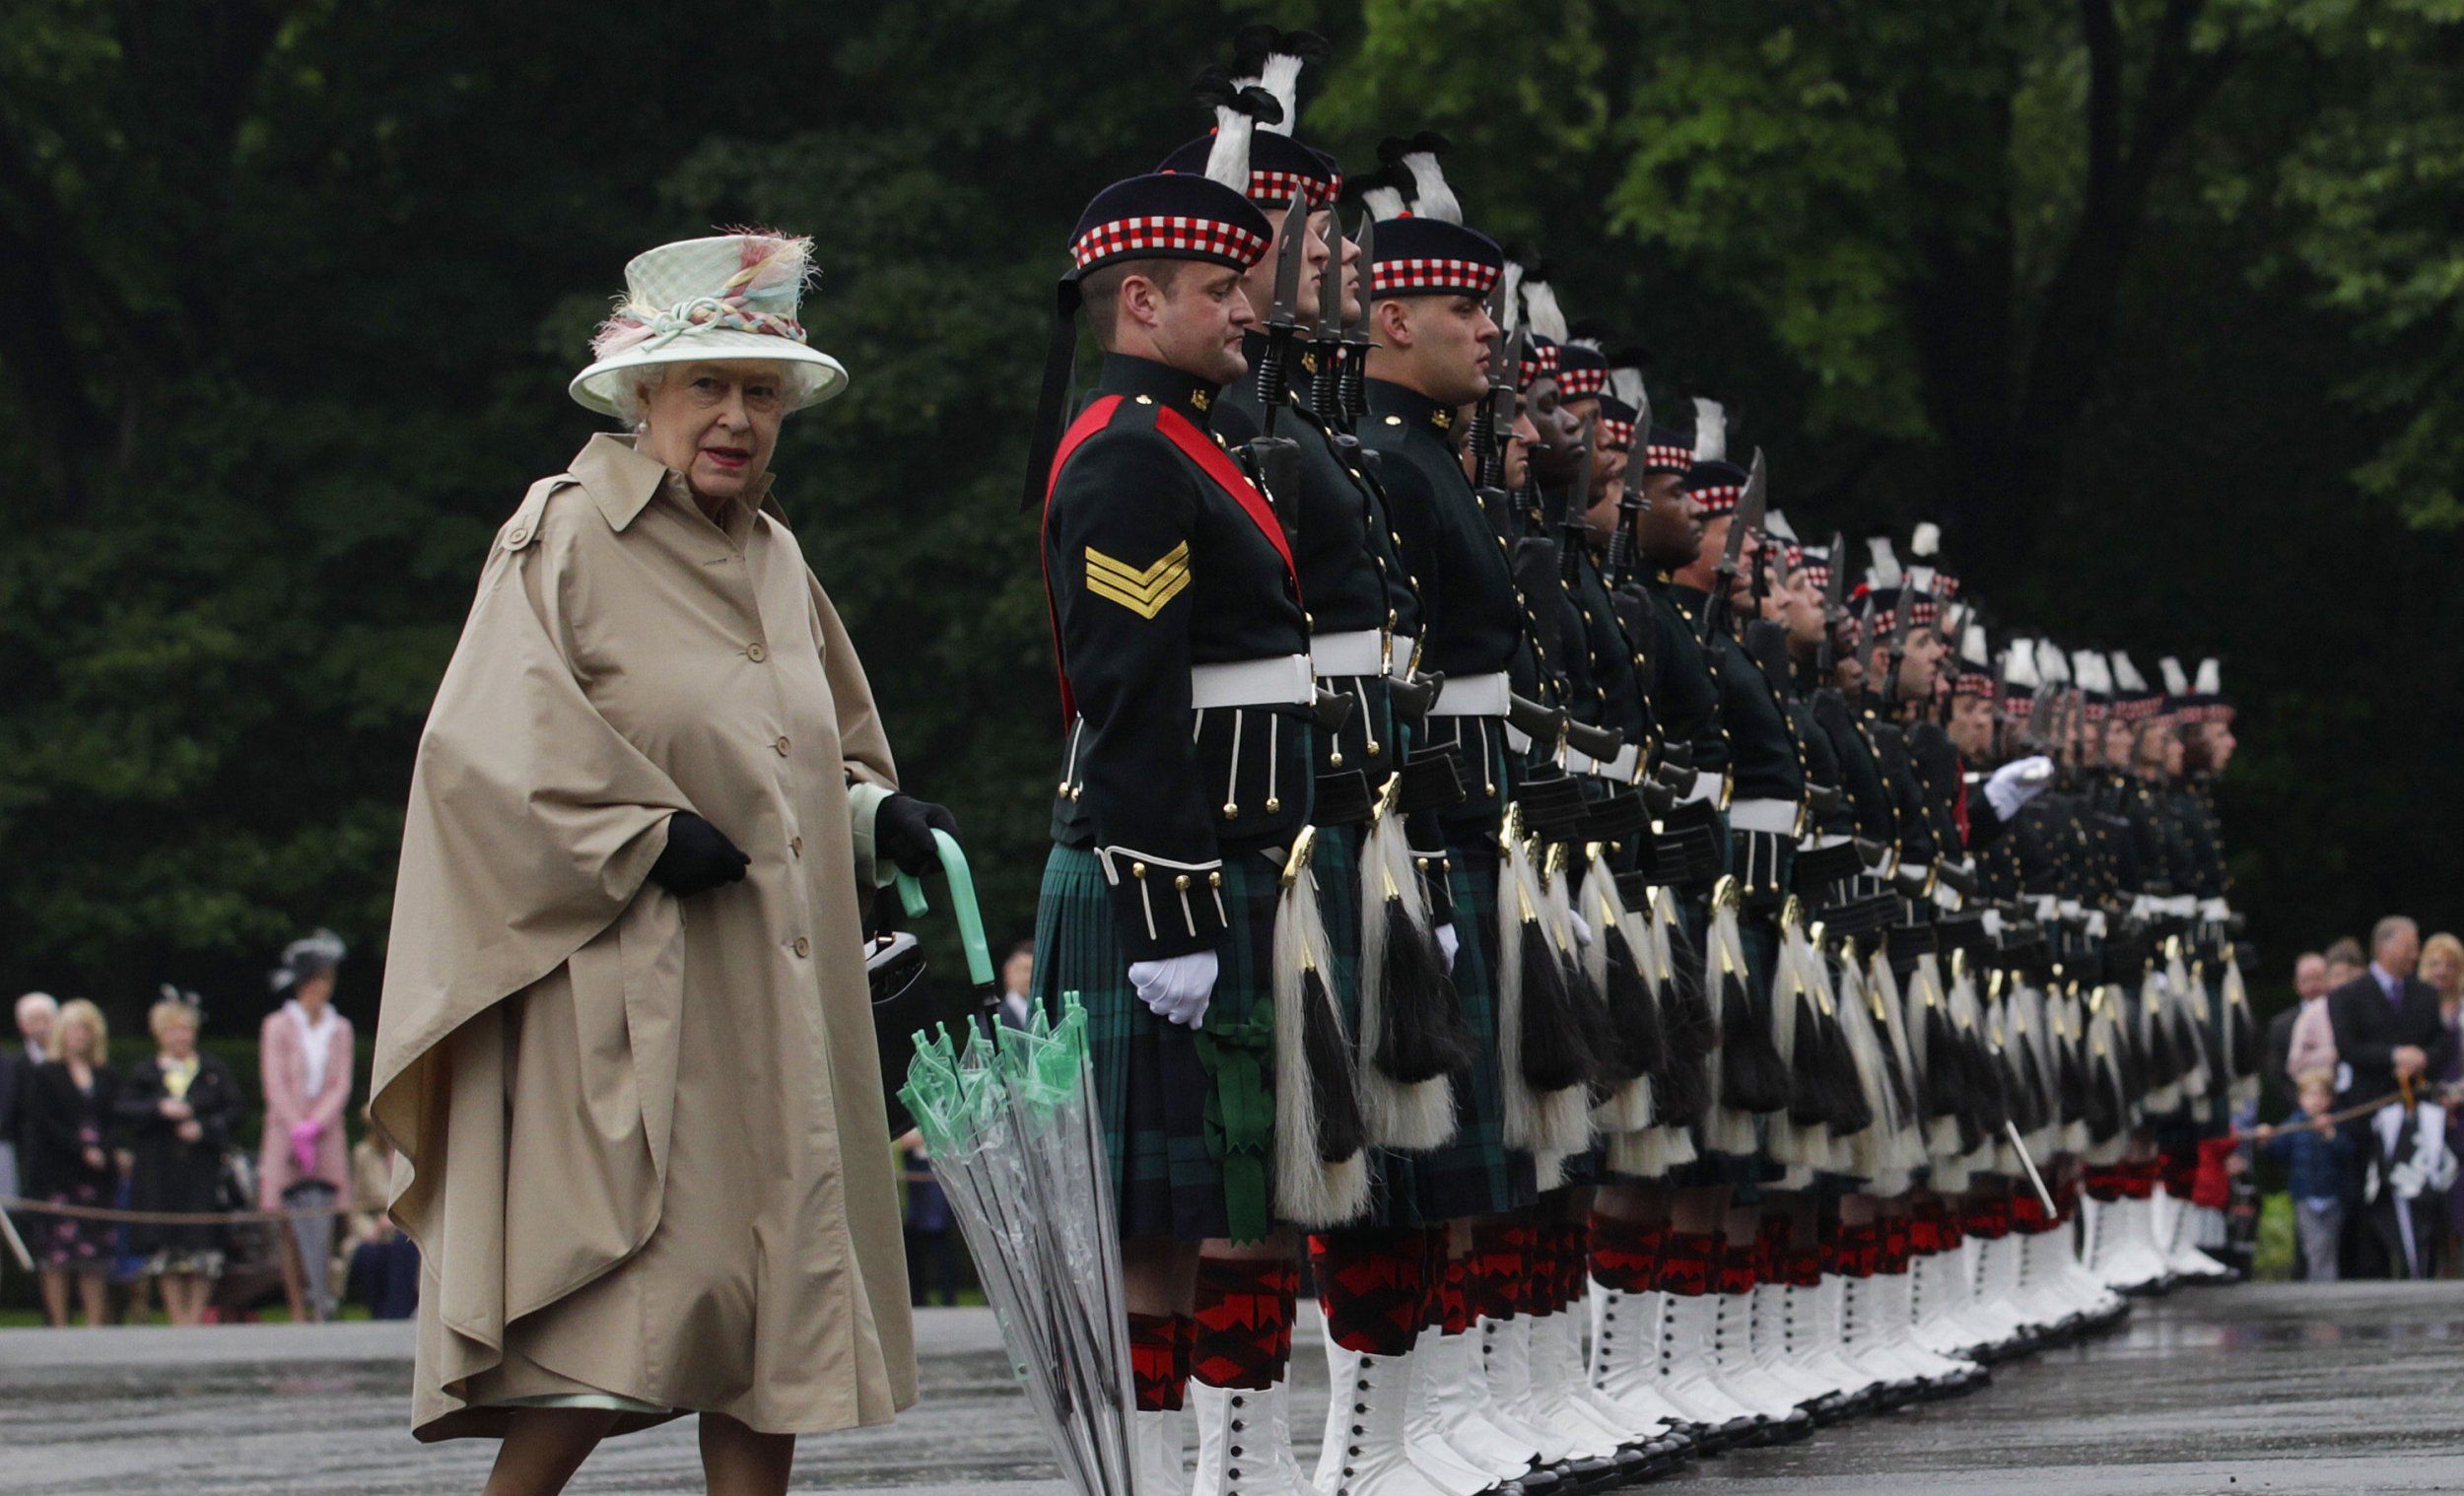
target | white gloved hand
[
  {"x": 1177, "y": 989},
  {"x": 1581, "y": 931},
  {"x": 2016, "y": 782},
  {"x": 1448, "y": 942}
]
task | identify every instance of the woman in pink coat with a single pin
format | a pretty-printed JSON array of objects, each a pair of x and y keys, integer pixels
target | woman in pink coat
[{"x": 305, "y": 1052}]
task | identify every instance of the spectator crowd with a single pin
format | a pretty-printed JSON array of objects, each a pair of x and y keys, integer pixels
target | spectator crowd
[
  {"x": 137, "y": 1177},
  {"x": 2363, "y": 1069}
]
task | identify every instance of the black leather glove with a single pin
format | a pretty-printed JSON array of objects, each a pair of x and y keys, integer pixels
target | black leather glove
[
  {"x": 699, "y": 857},
  {"x": 902, "y": 831}
]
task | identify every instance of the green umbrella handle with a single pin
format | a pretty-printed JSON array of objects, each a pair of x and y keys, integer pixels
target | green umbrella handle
[{"x": 911, "y": 895}]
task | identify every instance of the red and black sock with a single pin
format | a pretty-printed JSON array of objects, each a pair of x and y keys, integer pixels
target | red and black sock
[
  {"x": 1243, "y": 1338},
  {"x": 1687, "y": 1263},
  {"x": 1495, "y": 1272},
  {"x": 1373, "y": 1285},
  {"x": 1896, "y": 1250},
  {"x": 1454, "y": 1296},
  {"x": 1573, "y": 1262},
  {"x": 1737, "y": 1272},
  {"x": 1158, "y": 1365},
  {"x": 1625, "y": 1255}
]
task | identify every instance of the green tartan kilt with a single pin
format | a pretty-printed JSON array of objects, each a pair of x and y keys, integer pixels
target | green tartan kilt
[
  {"x": 1475, "y": 1172},
  {"x": 1151, "y": 1088}
]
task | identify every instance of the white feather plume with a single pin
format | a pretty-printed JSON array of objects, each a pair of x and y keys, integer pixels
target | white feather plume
[
  {"x": 1710, "y": 430},
  {"x": 1431, "y": 197},
  {"x": 1927, "y": 541},
  {"x": 1281, "y": 78},
  {"x": 1383, "y": 202},
  {"x": 1540, "y": 304},
  {"x": 2126, "y": 674},
  {"x": 1972, "y": 646},
  {"x": 1626, "y": 385},
  {"x": 2211, "y": 677},
  {"x": 2052, "y": 663},
  {"x": 1227, "y": 160},
  {"x": 2019, "y": 667},
  {"x": 2176, "y": 680},
  {"x": 1775, "y": 524},
  {"x": 1882, "y": 572},
  {"x": 2088, "y": 667}
]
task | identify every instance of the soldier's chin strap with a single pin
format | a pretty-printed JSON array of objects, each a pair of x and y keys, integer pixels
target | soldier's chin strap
[{"x": 1052, "y": 410}]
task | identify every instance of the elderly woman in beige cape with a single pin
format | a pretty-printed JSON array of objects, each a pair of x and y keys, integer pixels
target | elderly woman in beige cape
[{"x": 626, "y": 1049}]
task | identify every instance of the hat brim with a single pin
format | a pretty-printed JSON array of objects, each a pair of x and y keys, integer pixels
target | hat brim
[{"x": 818, "y": 375}]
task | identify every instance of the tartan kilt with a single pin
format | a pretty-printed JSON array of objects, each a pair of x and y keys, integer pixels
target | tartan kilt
[
  {"x": 1475, "y": 1173},
  {"x": 1151, "y": 1089}
]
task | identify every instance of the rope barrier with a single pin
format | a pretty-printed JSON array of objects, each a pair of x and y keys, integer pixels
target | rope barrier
[
  {"x": 2450, "y": 1092},
  {"x": 170, "y": 1217}
]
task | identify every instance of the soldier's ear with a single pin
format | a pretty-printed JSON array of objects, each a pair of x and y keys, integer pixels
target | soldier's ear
[{"x": 1393, "y": 315}]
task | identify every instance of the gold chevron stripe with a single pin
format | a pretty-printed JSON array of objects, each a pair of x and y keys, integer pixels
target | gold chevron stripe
[
  {"x": 1143, "y": 593},
  {"x": 1141, "y": 584},
  {"x": 1132, "y": 577}
]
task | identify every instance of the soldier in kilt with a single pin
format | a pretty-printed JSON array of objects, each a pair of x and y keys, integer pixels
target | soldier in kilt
[
  {"x": 1371, "y": 1272},
  {"x": 1187, "y": 774}
]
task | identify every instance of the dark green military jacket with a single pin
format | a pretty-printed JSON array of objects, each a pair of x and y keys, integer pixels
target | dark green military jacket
[
  {"x": 1869, "y": 797},
  {"x": 1684, "y": 696},
  {"x": 1617, "y": 663},
  {"x": 1160, "y": 557},
  {"x": 1472, "y": 619}
]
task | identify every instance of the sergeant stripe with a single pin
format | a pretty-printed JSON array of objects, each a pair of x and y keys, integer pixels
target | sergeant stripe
[{"x": 1143, "y": 590}]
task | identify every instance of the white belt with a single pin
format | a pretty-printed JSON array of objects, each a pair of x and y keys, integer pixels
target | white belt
[
  {"x": 1282, "y": 681},
  {"x": 2069, "y": 908},
  {"x": 1825, "y": 841},
  {"x": 1776, "y": 817},
  {"x": 1362, "y": 652},
  {"x": 1472, "y": 695},
  {"x": 1947, "y": 898},
  {"x": 2180, "y": 906},
  {"x": 1398, "y": 659},
  {"x": 1706, "y": 786},
  {"x": 1621, "y": 768}
]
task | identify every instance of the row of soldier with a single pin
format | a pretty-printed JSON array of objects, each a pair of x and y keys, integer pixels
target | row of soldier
[{"x": 1672, "y": 995}]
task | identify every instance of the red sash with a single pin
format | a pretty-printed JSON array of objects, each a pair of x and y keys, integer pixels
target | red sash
[{"x": 1212, "y": 459}]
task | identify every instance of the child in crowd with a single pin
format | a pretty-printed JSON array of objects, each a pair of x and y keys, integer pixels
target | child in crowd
[{"x": 2322, "y": 1158}]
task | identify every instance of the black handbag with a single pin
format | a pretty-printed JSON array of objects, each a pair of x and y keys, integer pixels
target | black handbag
[{"x": 906, "y": 1001}]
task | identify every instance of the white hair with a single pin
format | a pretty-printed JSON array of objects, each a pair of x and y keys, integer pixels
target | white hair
[
  {"x": 631, "y": 393},
  {"x": 34, "y": 1002}
]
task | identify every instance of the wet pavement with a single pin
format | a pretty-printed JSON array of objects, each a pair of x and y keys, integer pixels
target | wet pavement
[{"x": 2354, "y": 1388}]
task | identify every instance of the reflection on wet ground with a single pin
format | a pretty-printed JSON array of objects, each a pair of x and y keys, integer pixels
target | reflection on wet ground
[{"x": 2352, "y": 1388}]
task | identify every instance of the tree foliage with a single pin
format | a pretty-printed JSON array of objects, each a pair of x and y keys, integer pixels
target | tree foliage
[{"x": 2156, "y": 301}]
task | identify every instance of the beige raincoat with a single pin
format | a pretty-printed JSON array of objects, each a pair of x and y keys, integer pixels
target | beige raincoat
[{"x": 642, "y": 1139}]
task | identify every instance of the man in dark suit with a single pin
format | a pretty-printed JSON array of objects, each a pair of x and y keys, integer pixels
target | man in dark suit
[
  {"x": 2387, "y": 1031},
  {"x": 2309, "y": 983}
]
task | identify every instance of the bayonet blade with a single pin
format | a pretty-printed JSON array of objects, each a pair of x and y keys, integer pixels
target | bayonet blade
[
  {"x": 1287, "y": 269},
  {"x": 1835, "y": 591},
  {"x": 1329, "y": 326},
  {"x": 1755, "y": 499}
]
